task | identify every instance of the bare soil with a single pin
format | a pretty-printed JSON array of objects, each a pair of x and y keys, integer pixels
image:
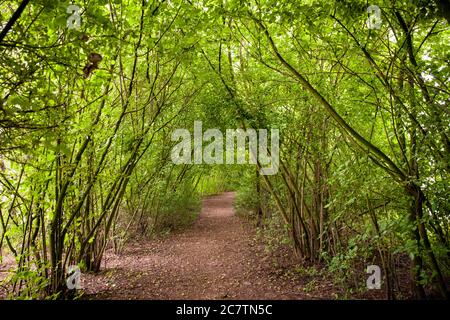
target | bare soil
[{"x": 216, "y": 258}]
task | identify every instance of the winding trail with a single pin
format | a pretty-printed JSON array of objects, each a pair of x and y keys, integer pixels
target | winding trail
[{"x": 216, "y": 258}]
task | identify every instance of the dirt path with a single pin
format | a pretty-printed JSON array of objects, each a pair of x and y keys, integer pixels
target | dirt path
[{"x": 216, "y": 258}]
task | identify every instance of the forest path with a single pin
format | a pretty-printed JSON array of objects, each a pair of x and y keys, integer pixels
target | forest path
[{"x": 216, "y": 258}]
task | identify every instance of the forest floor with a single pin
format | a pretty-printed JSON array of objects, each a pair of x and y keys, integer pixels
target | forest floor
[{"x": 216, "y": 258}]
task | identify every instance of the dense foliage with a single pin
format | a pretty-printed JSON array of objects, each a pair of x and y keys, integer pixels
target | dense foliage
[{"x": 87, "y": 114}]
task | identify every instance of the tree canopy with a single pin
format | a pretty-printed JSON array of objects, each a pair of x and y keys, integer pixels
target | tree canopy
[{"x": 90, "y": 96}]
